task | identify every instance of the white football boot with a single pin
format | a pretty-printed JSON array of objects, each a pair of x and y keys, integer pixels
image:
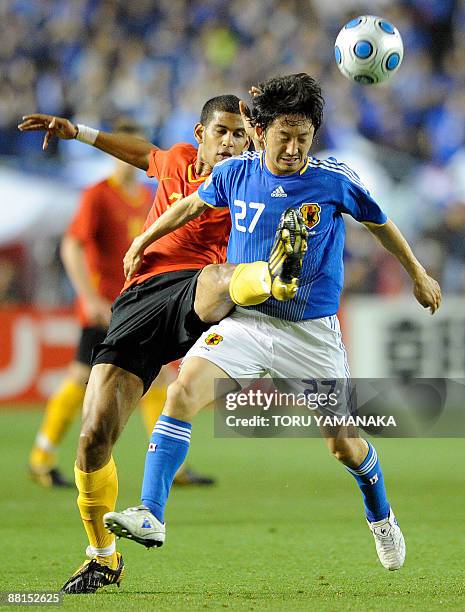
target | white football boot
[
  {"x": 136, "y": 524},
  {"x": 390, "y": 543}
]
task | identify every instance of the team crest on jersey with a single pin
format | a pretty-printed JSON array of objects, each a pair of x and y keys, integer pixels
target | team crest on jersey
[
  {"x": 311, "y": 213},
  {"x": 213, "y": 339}
]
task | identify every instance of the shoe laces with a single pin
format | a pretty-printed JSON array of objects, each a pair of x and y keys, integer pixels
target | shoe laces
[{"x": 388, "y": 542}]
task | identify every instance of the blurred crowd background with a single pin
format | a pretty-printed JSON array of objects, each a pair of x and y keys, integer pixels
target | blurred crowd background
[{"x": 95, "y": 60}]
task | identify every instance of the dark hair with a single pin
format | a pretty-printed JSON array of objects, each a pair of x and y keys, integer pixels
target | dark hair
[
  {"x": 293, "y": 94},
  {"x": 222, "y": 104}
]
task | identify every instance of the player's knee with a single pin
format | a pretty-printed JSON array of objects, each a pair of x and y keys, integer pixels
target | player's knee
[
  {"x": 97, "y": 438},
  {"x": 99, "y": 427},
  {"x": 181, "y": 402},
  {"x": 340, "y": 449},
  {"x": 212, "y": 301},
  {"x": 350, "y": 451},
  {"x": 216, "y": 277}
]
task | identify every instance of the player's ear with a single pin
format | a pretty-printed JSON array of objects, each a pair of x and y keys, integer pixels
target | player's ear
[
  {"x": 260, "y": 133},
  {"x": 199, "y": 132}
]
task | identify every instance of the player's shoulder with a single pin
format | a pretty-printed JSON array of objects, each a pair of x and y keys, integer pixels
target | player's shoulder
[
  {"x": 338, "y": 171},
  {"x": 183, "y": 148},
  {"x": 97, "y": 189},
  {"x": 183, "y": 151},
  {"x": 246, "y": 159}
]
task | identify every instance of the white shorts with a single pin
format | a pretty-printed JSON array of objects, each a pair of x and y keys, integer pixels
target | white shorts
[{"x": 250, "y": 344}]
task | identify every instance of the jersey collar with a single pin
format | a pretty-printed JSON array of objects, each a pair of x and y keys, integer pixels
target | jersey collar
[{"x": 191, "y": 178}]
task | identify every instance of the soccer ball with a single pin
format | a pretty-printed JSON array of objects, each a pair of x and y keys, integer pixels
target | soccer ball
[{"x": 368, "y": 50}]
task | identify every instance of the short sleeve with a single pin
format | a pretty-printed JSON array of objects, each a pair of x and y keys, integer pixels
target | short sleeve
[
  {"x": 156, "y": 160},
  {"x": 357, "y": 202},
  {"x": 85, "y": 222},
  {"x": 212, "y": 191}
]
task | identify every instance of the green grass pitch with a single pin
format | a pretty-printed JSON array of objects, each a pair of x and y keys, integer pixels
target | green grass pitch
[{"x": 283, "y": 530}]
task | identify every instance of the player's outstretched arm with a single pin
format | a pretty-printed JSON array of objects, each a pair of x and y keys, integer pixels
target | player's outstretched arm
[
  {"x": 425, "y": 288},
  {"x": 132, "y": 149},
  {"x": 177, "y": 215}
]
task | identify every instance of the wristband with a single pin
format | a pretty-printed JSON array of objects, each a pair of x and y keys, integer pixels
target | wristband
[{"x": 86, "y": 134}]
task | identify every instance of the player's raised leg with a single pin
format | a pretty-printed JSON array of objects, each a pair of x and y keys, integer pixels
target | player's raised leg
[
  {"x": 193, "y": 390},
  {"x": 221, "y": 287},
  {"x": 361, "y": 460},
  {"x": 111, "y": 397}
]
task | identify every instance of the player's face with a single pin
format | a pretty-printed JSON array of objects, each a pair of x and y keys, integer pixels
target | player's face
[
  {"x": 287, "y": 143},
  {"x": 223, "y": 137}
]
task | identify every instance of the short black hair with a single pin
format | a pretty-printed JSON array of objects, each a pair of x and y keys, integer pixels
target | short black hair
[
  {"x": 223, "y": 104},
  {"x": 293, "y": 94}
]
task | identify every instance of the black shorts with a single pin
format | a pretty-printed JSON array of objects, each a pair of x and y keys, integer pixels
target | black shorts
[
  {"x": 90, "y": 337},
  {"x": 152, "y": 324}
]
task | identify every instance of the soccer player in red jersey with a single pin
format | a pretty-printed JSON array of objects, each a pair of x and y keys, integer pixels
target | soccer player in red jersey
[
  {"x": 109, "y": 216},
  {"x": 174, "y": 296}
]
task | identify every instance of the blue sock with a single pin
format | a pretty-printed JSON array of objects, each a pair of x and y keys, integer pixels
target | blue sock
[
  {"x": 167, "y": 450},
  {"x": 371, "y": 482}
]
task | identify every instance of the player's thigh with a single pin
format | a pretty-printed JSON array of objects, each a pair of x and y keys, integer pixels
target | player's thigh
[
  {"x": 152, "y": 324},
  {"x": 196, "y": 388},
  {"x": 238, "y": 345},
  {"x": 311, "y": 349},
  {"x": 212, "y": 300},
  {"x": 310, "y": 361}
]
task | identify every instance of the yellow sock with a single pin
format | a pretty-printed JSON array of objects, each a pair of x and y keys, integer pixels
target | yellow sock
[
  {"x": 151, "y": 406},
  {"x": 60, "y": 412},
  {"x": 97, "y": 495},
  {"x": 250, "y": 284}
]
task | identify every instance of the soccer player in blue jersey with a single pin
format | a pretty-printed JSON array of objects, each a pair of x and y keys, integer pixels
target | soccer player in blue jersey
[{"x": 296, "y": 339}]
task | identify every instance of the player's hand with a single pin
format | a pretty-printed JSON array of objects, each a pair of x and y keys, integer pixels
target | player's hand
[
  {"x": 53, "y": 126},
  {"x": 245, "y": 115},
  {"x": 427, "y": 291},
  {"x": 245, "y": 112},
  {"x": 133, "y": 258},
  {"x": 98, "y": 310}
]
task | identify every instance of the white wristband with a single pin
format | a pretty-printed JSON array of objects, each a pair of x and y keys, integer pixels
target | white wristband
[{"x": 86, "y": 134}]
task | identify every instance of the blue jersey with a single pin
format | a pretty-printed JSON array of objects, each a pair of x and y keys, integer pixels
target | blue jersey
[{"x": 323, "y": 190}]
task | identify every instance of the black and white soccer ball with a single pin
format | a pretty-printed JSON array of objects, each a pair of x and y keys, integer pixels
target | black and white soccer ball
[{"x": 369, "y": 50}]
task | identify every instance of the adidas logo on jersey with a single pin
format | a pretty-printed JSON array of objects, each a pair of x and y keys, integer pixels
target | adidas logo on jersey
[{"x": 279, "y": 193}]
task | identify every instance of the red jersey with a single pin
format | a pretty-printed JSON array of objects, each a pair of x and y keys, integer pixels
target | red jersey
[
  {"x": 201, "y": 241},
  {"x": 106, "y": 222}
]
